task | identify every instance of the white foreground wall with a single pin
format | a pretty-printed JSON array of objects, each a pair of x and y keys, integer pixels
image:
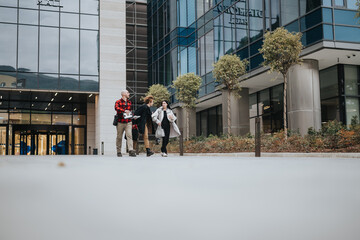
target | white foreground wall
[{"x": 112, "y": 71}]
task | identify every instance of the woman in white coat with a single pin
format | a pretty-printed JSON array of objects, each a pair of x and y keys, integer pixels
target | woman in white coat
[{"x": 165, "y": 118}]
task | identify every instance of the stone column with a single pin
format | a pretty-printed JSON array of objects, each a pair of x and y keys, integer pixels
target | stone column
[
  {"x": 239, "y": 111},
  {"x": 181, "y": 115},
  {"x": 112, "y": 71},
  {"x": 304, "y": 106}
]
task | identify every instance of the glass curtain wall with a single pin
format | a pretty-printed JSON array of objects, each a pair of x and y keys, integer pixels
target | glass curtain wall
[{"x": 50, "y": 47}]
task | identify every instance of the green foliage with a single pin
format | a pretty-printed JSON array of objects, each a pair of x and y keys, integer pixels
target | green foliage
[
  {"x": 228, "y": 70},
  {"x": 187, "y": 87},
  {"x": 160, "y": 93},
  {"x": 281, "y": 50},
  {"x": 354, "y": 122},
  {"x": 358, "y": 12}
]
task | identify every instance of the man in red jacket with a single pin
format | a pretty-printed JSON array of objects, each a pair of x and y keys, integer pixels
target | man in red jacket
[{"x": 123, "y": 106}]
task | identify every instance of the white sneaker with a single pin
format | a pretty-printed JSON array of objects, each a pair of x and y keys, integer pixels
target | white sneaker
[{"x": 164, "y": 155}]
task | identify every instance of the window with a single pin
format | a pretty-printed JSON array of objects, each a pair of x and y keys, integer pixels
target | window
[
  {"x": 49, "y": 49},
  {"x": 89, "y": 50},
  {"x": 69, "y": 51},
  {"x": 8, "y": 47},
  {"x": 28, "y": 49},
  {"x": 289, "y": 11}
]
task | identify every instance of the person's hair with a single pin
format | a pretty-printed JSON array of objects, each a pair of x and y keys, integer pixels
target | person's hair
[
  {"x": 167, "y": 102},
  {"x": 148, "y": 99},
  {"x": 123, "y": 92}
]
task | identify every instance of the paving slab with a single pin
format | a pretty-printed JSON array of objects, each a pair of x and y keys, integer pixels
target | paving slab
[{"x": 179, "y": 198}]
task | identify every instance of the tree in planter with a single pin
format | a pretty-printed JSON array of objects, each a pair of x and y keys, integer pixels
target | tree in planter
[
  {"x": 159, "y": 92},
  {"x": 227, "y": 71},
  {"x": 281, "y": 50},
  {"x": 187, "y": 87}
]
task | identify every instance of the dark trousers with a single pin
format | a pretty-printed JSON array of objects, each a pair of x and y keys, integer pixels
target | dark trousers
[{"x": 165, "y": 140}]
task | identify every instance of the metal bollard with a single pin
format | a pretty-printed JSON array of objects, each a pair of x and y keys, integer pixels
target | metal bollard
[
  {"x": 181, "y": 143},
  {"x": 102, "y": 148},
  {"x": 257, "y": 138}
]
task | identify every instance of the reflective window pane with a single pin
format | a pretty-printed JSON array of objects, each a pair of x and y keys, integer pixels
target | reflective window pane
[
  {"x": 351, "y": 80},
  {"x": 49, "y": 18},
  {"x": 339, "y": 3},
  {"x": 329, "y": 83},
  {"x": 90, "y": 6},
  {"x": 8, "y": 15},
  {"x": 19, "y": 117},
  {"x": 88, "y": 83},
  {"x": 61, "y": 118},
  {"x": 70, "y": 5},
  {"x": 40, "y": 118},
  {"x": 256, "y": 19},
  {"x": 352, "y": 109},
  {"x": 69, "y": 82},
  {"x": 330, "y": 110},
  {"x": 308, "y": 5},
  {"x": 48, "y": 81},
  {"x": 345, "y": 17},
  {"x": 11, "y": 3},
  {"x": 27, "y": 80},
  {"x": 28, "y": 4},
  {"x": 69, "y": 20},
  {"x": 8, "y": 47},
  {"x": 89, "y": 52},
  {"x": 289, "y": 11},
  {"x": 349, "y": 34},
  {"x": 351, "y": 4},
  {"x": 89, "y": 22},
  {"x": 28, "y": 16},
  {"x": 49, "y": 49},
  {"x": 7, "y": 79},
  {"x": 327, "y": 3},
  {"x": 69, "y": 51},
  {"x": 28, "y": 49}
]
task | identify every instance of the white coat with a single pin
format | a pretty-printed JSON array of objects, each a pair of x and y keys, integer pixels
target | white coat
[{"x": 158, "y": 116}]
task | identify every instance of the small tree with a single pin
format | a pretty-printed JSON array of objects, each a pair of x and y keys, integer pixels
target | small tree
[
  {"x": 227, "y": 71},
  {"x": 281, "y": 50},
  {"x": 160, "y": 93},
  {"x": 187, "y": 87}
]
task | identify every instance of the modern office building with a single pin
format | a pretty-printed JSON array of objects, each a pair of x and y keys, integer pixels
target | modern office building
[
  {"x": 62, "y": 67},
  {"x": 189, "y": 36}
]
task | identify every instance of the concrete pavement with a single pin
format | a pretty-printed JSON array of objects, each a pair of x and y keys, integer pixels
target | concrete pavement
[{"x": 192, "y": 197}]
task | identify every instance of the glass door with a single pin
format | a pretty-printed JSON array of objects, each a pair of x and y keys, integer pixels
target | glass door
[
  {"x": 42, "y": 144},
  {"x": 79, "y": 139},
  {"x": 3, "y": 140}
]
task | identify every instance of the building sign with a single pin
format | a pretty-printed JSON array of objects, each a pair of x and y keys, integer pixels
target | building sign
[
  {"x": 50, "y": 3},
  {"x": 240, "y": 14}
]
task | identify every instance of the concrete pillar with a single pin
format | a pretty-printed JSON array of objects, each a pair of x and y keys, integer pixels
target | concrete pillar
[
  {"x": 181, "y": 115},
  {"x": 112, "y": 71},
  {"x": 304, "y": 106},
  {"x": 239, "y": 107},
  {"x": 90, "y": 135}
]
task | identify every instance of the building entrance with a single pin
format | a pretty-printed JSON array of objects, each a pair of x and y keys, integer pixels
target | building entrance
[{"x": 40, "y": 140}]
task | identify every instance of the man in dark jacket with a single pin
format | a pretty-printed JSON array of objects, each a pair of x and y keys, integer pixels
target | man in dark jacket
[
  {"x": 123, "y": 105},
  {"x": 145, "y": 122}
]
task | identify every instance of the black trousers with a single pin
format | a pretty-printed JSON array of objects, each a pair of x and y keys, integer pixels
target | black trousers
[{"x": 166, "y": 138}]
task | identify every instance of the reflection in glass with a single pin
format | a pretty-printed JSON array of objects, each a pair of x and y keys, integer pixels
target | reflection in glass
[
  {"x": 27, "y": 80},
  {"x": 49, "y": 49},
  {"x": 264, "y": 102},
  {"x": 28, "y": 49},
  {"x": 339, "y": 3},
  {"x": 7, "y": 80},
  {"x": 351, "y": 4},
  {"x": 351, "y": 80},
  {"x": 275, "y": 14},
  {"x": 89, "y": 22},
  {"x": 69, "y": 82},
  {"x": 79, "y": 141},
  {"x": 28, "y": 4},
  {"x": 40, "y": 118},
  {"x": 277, "y": 99},
  {"x": 348, "y": 34},
  {"x": 289, "y": 11},
  {"x": 19, "y": 117},
  {"x": 69, "y": 51},
  {"x": 89, "y": 50},
  {"x": 61, "y": 118},
  {"x": 90, "y": 6},
  {"x": 3, "y": 134},
  {"x": 352, "y": 109},
  {"x": 89, "y": 83},
  {"x": 308, "y": 5},
  {"x": 11, "y": 3},
  {"x": 28, "y": 16},
  {"x": 8, "y": 47},
  {"x": 69, "y": 20},
  {"x": 329, "y": 83},
  {"x": 48, "y": 81},
  {"x": 4, "y": 116},
  {"x": 8, "y": 15},
  {"x": 79, "y": 119},
  {"x": 256, "y": 19},
  {"x": 345, "y": 17},
  {"x": 70, "y": 5},
  {"x": 49, "y": 18}
]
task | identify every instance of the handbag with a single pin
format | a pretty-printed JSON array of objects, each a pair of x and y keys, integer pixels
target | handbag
[
  {"x": 116, "y": 118},
  {"x": 159, "y": 132}
]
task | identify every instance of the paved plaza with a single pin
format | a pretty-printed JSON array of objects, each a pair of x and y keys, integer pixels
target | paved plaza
[{"x": 179, "y": 198}]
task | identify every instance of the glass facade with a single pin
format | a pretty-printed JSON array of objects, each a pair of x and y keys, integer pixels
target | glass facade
[
  {"x": 209, "y": 122},
  {"x": 196, "y": 34},
  {"x": 50, "y": 47}
]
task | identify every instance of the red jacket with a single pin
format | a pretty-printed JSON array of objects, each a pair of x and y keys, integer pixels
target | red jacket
[{"x": 120, "y": 107}]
